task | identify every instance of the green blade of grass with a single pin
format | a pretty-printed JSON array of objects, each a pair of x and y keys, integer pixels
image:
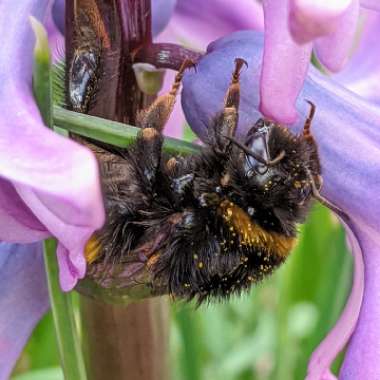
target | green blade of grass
[
  {"x": 111, "y": 132},
  {"x": 63, "y": 314}
]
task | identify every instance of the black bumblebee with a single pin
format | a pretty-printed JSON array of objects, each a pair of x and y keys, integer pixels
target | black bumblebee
[{"x": 208, "y": 225}]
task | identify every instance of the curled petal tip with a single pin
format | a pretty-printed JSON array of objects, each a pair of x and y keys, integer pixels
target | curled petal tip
[{"x": 310, "y": 19}]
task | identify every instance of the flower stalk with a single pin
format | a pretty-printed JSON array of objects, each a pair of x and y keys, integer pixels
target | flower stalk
[{"x": 119, "y": 341}]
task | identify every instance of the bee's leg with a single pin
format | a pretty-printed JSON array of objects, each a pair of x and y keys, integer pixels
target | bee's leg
[
  {"x": 157, "y": 114},
  {"x": 226, "y": 122},
  {"x": 152, "y": 121},
  {"x": 307, "y": 126}
]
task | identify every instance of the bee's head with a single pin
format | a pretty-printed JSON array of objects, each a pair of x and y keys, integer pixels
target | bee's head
[{"x": 274, "y": 168}]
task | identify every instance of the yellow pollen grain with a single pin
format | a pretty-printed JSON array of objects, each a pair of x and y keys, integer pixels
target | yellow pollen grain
[
  {"x": 92, "y": 249},
  {"x": 200, "y": 265},
  {"x": 250, "y": 234}
]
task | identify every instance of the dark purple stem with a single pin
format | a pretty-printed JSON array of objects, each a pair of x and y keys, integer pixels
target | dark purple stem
[
  {"x": 165, "y": 55},
  {"x": 120, "y": 342}
]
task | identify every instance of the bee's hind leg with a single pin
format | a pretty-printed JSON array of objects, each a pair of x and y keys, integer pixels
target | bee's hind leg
[{"x": 152, "y": 121}]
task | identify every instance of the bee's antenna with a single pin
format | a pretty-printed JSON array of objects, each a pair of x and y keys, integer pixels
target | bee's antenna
[
  {"x": 317, "y": 195},
  {"x": 245, "y": 149}
]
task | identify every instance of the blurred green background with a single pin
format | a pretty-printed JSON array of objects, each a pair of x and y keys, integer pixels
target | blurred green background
[{"x": 268, "y": 334}]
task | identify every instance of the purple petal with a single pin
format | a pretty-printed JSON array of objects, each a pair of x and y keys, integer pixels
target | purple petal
[
  {"x": 53, "y": 178},
  {"x": 58, "y": 12},
  {"x": 56, "y": 39},
  {"x": 337, "y": 338},
  {"x": 199, "y": 22},
  {"x": 309, "y": 19},
  {"x": 17, "y": 222},
  {"x": 362, "y": 73},
  {"x": 362, "y": 357},
  {"x": 370, "y": 4},
  {"x": 333, "y": 50},
  {"x": 23, "y": 299},
  {"x": 161, "y": 12},
  {"x": 284, "y": 65}
]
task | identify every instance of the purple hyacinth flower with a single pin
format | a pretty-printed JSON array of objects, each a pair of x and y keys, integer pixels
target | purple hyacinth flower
[{"x": 347, "y": 130}]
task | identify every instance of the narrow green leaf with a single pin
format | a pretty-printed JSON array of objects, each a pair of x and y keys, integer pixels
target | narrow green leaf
[
  {"x": 190, "y": 358},
  {"x": 42, "y": 79},
  {"x": 43, "y": 374},
  {"x": 111, "y": 132},
  {"x": 63, "y": 315}
]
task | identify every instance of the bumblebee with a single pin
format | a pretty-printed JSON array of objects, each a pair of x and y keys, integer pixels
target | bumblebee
[{"x": 209, "y": 225}]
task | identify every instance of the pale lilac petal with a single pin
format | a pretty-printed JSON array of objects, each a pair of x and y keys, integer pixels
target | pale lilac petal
[
  {"x": 161, "y": 12},
  {"x": 333, "y": 50},
  {"x": 58, "y": 12},
  {"x": 363, "y": 353},
  {"x": 17, "y": 222},
  {"x": 284, "y": 65},
  {"x": 371, "y": 4},
  {"x": 54, "y": 177},
  {"x": 198, "y": 22},
  {"x": 23, "y": 299},
  {"x": 337, "y": 338},
  {"x": 362, "y": 72},
  {"x": 309, "y": 19},
  {"x": 56, "y": 39}
]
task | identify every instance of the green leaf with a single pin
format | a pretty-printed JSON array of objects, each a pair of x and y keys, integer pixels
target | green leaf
[
  {"x": 64, "y": 322},
  {"x": 68, "y": 343},
  {"x": 112, "y": 132},
  {"x": 42, "y": 79},
  {"x": 44, "y": 374}
]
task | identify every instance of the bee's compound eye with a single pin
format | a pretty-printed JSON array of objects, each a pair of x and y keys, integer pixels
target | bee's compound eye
[
  {"x": 189, "y": 220},
  {"x": 250, "y": 211}
]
